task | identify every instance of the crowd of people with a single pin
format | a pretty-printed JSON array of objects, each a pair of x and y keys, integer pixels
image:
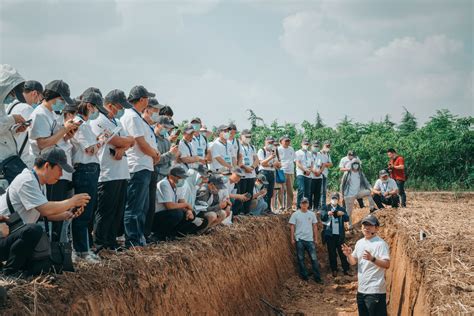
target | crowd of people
[{"x": 111, "y": 171}]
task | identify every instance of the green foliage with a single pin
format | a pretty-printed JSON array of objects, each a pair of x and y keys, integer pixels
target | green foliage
[{"x": 439, "y": 155}]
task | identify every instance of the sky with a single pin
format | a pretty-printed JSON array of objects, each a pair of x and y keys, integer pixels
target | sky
[{"x": 285, "y": 60}]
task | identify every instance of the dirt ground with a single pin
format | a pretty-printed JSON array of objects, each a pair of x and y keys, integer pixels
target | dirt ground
[{"x": 430, "y": 276}]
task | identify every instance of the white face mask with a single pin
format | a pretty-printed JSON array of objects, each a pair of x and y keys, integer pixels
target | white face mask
[
  {"x": 155, "y": 116},
  {"x": 226, "y": 135},
  {"x": 334, "y": 202},
  {"x": 270, "y": 146},
  {"x": 355, "y": 167},
  {"x": 385, "y": 180},
  {"x": 305, "y": 147}
]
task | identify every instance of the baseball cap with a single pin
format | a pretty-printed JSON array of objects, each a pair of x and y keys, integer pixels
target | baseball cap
[
  {"x": 91, "y": 89},
  {"x": 70, "y": 108},
  {"x": 305, "y": 141},
  {"x": 217, "y": 181},
  {"x": 261, "y": 177},
  {"x": 316, "y": 143},
  {"x": 61, "y": 88},
  {"x": 178, "y": 171},
  {"x": 284, "y": 137},
  {"x": 188, "y": 129},
  {"x": 138, "y": 92},
  {"x": 233, "y": 127},
  {"x": 246, "y": 132},
  {"x": 57, "y": 156},
  {"x": 238, "y": 171},
  {"x": 153, "y": 102},
  {"x": 335, "y": 195},
  {"x": 223, "y": 128},
  {"x": 269, "y": 139},
  {"x": 165, "y": 121},
  {"x": 383, "y": 172},
  {"x": 304, "y": 200},
  {"x": 371, "y": 219},
  {"x": 196, "y": 120},
  {"x": 117, "y": 96},
  {"x": 95, "y": 99},
  {"x": 33, "y": 85}
]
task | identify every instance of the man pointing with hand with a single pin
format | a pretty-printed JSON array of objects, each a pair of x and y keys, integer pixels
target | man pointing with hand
[{"x": 372, "y": 256}]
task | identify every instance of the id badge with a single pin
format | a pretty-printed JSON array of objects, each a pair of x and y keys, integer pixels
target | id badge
[
  {"x": 228, "y": 160},
  {"x": 200, "y": 152},
  {"x": 247, "y": 161}
]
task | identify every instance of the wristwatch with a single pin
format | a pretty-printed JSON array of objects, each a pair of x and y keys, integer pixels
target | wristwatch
[{"x": 373, "y": 259}]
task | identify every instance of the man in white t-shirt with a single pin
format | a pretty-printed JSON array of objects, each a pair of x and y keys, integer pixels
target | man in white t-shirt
[
  {"x": 372, "y": 256},
  {"x": 141, "y": 159},
  {"x": 33, "y": 93},
  {"x": 189, "y": 156},
  {"x": 221, "y": 150},
  {"x": 26, "y": 199},
  {"x": 304, "y": 165},
  {"x": 287, "y": 158},
  {"x": 200, "y": 140},
  {"x": 268, "y": 158},
  {"x": 114, "y": 174},
  {"x": 235, "y": 144},
  {"x": 316, "y": 177},
  {"x": 326, "y": 163},
  {"x": 304, "y": 232},
  {"x": 248, "y": 162},
  {"x": 385, "y": 191}
]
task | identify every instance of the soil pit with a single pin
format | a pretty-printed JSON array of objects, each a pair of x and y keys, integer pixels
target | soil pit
[{"x": 231, "y": 270}]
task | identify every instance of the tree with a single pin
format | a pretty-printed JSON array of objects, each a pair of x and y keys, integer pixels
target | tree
[
  {"x": 388, "y": 122},
  {"x": 408, "y": 124},
  {"x": 319, "y": 122},
  {"x": 254, "y": 119}
]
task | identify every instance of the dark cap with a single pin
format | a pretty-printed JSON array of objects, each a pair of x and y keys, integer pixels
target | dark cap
[
  {"x": 233, "y": 127},
  {"x": 238, "y": 171},
  {"x": 316, "y": 143},
  {"x": 284, "y": 137},
  {"x": 95, "y": 99},
  {"x": 61, "y": 88},
  {"x": 202, "y": 170},
  {"x": 196, "y": 120},
  {"x": 305, "y": 141},
  {"x": 57, "y": 156},
  {"x": 71, "y": 108},
  {"x": 178, "y": 171},
  {"x": 91, "y": 89},
  {"x": 246, "y": 132},
  {"x": 33, "y": 85},
  {"x": 371, "y": 219},
  {"x": 217, "y": 181},
  {"x": 269, "y": 139},
  {"x": 335, "y": 195},
  {"x": 153, "y": 103},
  {"x": 223, "y": 128},
  {"x": 188, "y": 128},
  {"x": 165, "y": 122},
  {"x": 383, "y": 172},
  {"x": 261, "y": 177},
  {"x": 351, "y": 153},
  {"x": 327, "y": 142},
  {"x": 138, "y": 92},
  {"x": 304, "y": 200},
  {"x": 117, "y": 96}
]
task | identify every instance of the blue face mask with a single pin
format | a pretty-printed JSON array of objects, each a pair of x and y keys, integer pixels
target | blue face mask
[
  {"x": 94, "y": 115},
  {"x": 35, "y": 105},
  {"x": 180, "y": 183},
  {"x": 164, "y": 132},
  {"x": 225, "y": 179},
  {"x": 9, "y": 99},
  {"x": 196, "y": 127},
  {"x": 119, "y": 114},
  {"x": 155, "y": 117},
  {"x": 58, "y": 106}
]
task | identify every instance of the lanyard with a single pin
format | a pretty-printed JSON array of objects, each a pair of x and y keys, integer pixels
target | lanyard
[
  {"x": 246, "y": 151},
  {"x": 226, "y": 151},
  {"x": 385, "y": 187},
  {"x": 37, "y": 179},
  {"x": 149, "y": 126}
]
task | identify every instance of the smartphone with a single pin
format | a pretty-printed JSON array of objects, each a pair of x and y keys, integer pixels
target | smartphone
[
  {"x": 248, "y": 195},
  {"x": 27, "y": 123},
  {"x": 78, "y": 120}
]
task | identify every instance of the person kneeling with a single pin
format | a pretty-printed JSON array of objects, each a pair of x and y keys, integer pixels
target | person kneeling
[
  {"x": 173, "y": 215},
  {"x": 385, "y": 191},
  {"x": 303, "y": 234},
  {"x": 258, "y": 206},
  {"x": 216, "y": 209}
]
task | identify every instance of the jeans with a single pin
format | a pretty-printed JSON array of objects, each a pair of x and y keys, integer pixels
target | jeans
[
  {"x": 310, "y": 248},
  {"x": 401, "y": 192},
  {"x": 151, "y": 203},
  {"x": 324, "y": 188},
  {"x": 315, "y": 193},
  {"x": 334, "y": 248},
  {"x": 260, "y": 208},
  {"x": 372, "y": 304},
  {"x": 170, "y": 223},
  {"x": 111, "y": 198},
  {"x": 349, "y": 200},
  {"x": 270, "y": 175},
  {"x": 380, "y": 200},
  {"x": 136, "y": 208},
  {"x": 16, "y": 249},
  {"x": 246, "y": 185},
  {"x": 304, "y": 189},
  {"x": 290, "y": 179},
  {"x": 84, "y": 179}
]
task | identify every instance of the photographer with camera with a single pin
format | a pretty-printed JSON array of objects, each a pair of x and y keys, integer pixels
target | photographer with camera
[
  {"x": 24, "y": 203},
  {"x": 304, "y": 165},
  {"x": 396, "y": 167}
]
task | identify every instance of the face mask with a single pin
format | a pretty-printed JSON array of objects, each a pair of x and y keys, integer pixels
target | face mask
[
  {"x": 305, "y": 147},
  {"x": 9, "y": 99},
  {"x": 315, "y": 149},
  {"x": 196, "y": 127},
  {"x": 355, "y": 166},
  {"x": 180, "y": 183},
  {"x": 246, "y": 140},
  {"x": 155, "y": 116},
  {"x": 119, "y": 113},
  {"x": 334, "y": 202},
  {"x": 270, "y": 146},
  {"x": 58, "y": 106},
  {"x": 225, "y": 179},
  {"x": 35, "y": 105},
  {"x": 164, "y": 132},
  {"x": 226, "y": 135},
  {"x": 94, "y": 115},
  {"x": 385, "y": 180},
  {"x": 259, "y": 185}
]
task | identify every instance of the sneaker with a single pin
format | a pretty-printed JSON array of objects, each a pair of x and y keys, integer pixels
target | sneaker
[
  {"x": 304, "y": 278},
  {"x": 76, "y": 257},
  {"x": 347, "y": 273},
  {"x": 334, "y": 273},
  {"x": 90, "y": 257},
  {"x": 318, "y": 280}
]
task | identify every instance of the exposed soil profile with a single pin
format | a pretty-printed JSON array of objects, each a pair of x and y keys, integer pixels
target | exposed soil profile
[{"x": 231, "y": 270}]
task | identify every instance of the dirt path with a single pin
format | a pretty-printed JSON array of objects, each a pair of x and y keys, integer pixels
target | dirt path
[{"x": 335, "y": 297}]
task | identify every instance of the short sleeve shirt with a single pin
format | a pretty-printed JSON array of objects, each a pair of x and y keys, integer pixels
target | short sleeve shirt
[
  {"x": 43, "y": 124},
  {"x": 371, "y": 278},
  {"x": 398, "y": 174},
  {"x": 287, "y": 158},
  {"x": 263, "y": 154},
  {"x": 187, "y": 150},
  {"x": 224, "y": 151},
  {"x": 306, "y": 159},
  {"x": 248, "y": 154},
  {"x": 83, "y": 139},
  {"x": 165, "y": 194},
  {"x": 303, "y": 222},
  {"x": 325, "y": 158},
  {"x": 26, "y": 194},
  {"x": 388, "y": 186},
  {"x": 25, "y": 110},
  {"x": 200, "y": 145}
]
